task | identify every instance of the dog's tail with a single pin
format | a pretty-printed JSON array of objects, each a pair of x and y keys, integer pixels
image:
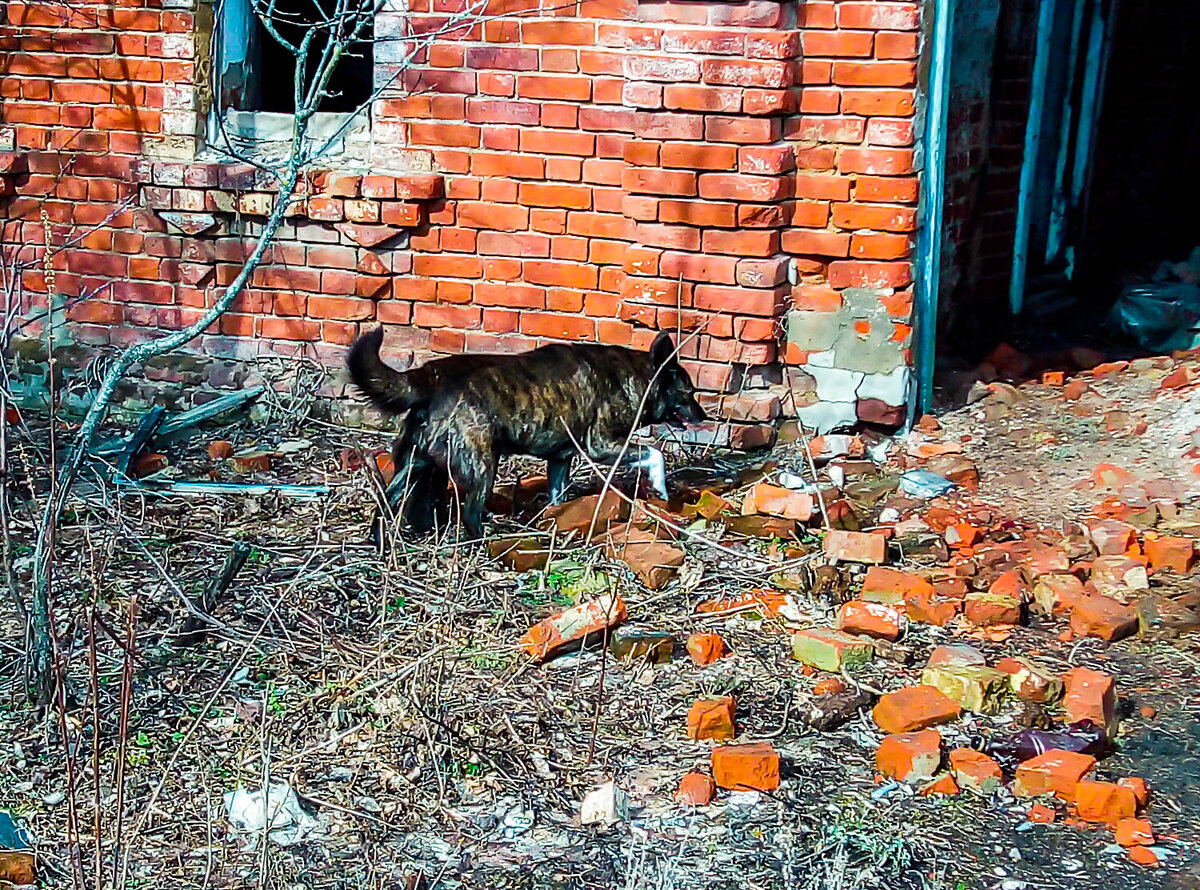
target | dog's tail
[{"x": 388, "y": 389}]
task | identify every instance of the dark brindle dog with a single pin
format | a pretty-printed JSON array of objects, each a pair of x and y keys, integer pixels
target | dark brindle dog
[{"x": 466, "y": 412}]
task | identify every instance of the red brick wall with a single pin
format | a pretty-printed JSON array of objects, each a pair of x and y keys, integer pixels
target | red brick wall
[{"x": 619, "y": 168}]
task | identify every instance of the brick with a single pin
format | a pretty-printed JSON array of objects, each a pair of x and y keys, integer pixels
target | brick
[
  {"x": 557, "y": 142},
  {"x": 699, "y": 157},
  {"x": 699, "y": 98},
  {"x": 699, "y": 267},
  {"x": 913, "y": 708},
  {"x": 746, "y": 767},
  {"x": 774, "y": 500},
  {"x": 870, "y": 619},
  {"x": 1029, "y": 682},
  {"x": 457, "y": 135},
  {"x": 762, "y": 243},
  {"x": 880, "y": 246},
  {"x": 705, "y": 648},
  {"x": 831, "y": 650},
  {"x": 1090, "y": 695},
  {"x": 884, "y": 585},
  {"x": 911, "y": 756},
  {"x": 741, "y": 187},
  {"x": 854, "y": 273},
  {"x": 711, "y": 718},
  {"x": 1103, "y": 617},
  {"x": 652, "y": 181},
  {"x": 561, "y": 274},
  {"x": 1141, "y": 791},
  {"x": 706, "y": 42},
  {"x": 751, "y": 14},
  {"x": 877, "y": 16},
  {"x": 837, "y": 43},
  {"x": 861, "y": 547},
  {"x": 1132, "y": 832},
  {"x": 740, "y": 130},
  {"x": 975, "y": 687},
  {"x": 669, "y": 125},
  {"x": 876, "y": 161},
  {"x": 1175, "y": 554},
  {"x": 831, "y": 128},
  {"x": 988, "y": 609},
  {"x": 975, "y": 771},
  {"x": 802, "y": 241},
  {"x": 744, "y": 301},
  {"x": 874, "y": 74},
  {"x": 554, "y": 87},
  {"x": 696, "y": 789},
  {"x": 698, "y": 213},
  {"x": 879, "y": 102},
  {"x": 658, "y": 235},
  {"x": 896, "y": 45},
  {"x": 1104, "y": 802},
  {"x": 557, "y": 631},
  {"x": 571, "y": 197},
  {"x": 747, "y": 73},
  {"x": 819, "y": 101}
]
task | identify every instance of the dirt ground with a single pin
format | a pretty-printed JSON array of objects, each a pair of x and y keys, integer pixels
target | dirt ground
[{"x": 389, "y": 691}]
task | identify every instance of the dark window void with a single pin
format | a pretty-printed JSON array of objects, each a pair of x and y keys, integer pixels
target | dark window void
[{"x": 259, "y": 71}]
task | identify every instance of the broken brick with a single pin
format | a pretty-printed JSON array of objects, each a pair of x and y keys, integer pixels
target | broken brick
[
  {"x": 1141, "y": 791},
  {"x": 870, "y": 619},
  {"x": 386, "y": 464},
  {"x": 705, "y": 648},
  {"x": 830, "y": 650},
  {"x": 654, "y": 561},
  {"x": 1104, "y": 802},
  {"x": 576, "y": 515},
  {"x": 148, "y": 463},
  {"x": 975, "y": 687},
  {"x": 1057, "y": 594},
  {"x": 829, "y": 686},
  {"x": 709, "y": 506},
  {"x": 1055, "y": 772},
  {"x": 1103, "y": 617},
  {"x": 884, "y": 585},
  {"x": 1118, "y": 576},
  {"x": 1043, "y": 561},
  {"x": 975, "y": 771},
  {"x": 753, "y": 766},
  {"x": 1133, "y": 832},
  {"x": 1111, "y": 477},
  {"x": 1112, "y": 537},
  {"x": 913, "y": 708},
  {"x": 1075, "y": 389},
  {"x": 910, "y": 756},
  {"x": 1009, "y": 584},
  {"x": 219, "y": 449},
  {"x": 519, "y": 554},
  {"x": 696, "y": 789},
  {"x": 955, "y": 654},
  {"x": 774, "y": 500},
  {"x": 861, "y": 547},
  {"x": 711, "y": 718},
  {"x": 988, "y": 609},
  {"x": 930, "y": 609},
  {"x": 1041, "y": 814},
  {"x": 1171, "y": 553},
  {"x": 247, "y": 462},
  {"x": 1029, "y": 682},
  {"x": 962, "y": 534},
  {"x": 566, "y": 627},
  {"x": 944, "y": 784},
  {"x": 1090, "y": 695},
  {"x": 1144, "y": 856}
]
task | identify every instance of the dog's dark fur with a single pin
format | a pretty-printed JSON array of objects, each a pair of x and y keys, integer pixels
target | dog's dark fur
[{"x": 467, "y": 412}]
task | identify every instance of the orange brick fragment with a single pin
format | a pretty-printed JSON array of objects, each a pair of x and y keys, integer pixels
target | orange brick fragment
[
  {"x": 711, "y": 718},
  {"x": 705, "y": 648},
  {"x": 1055, "y": 772},
  {"x": 1134, "y": 832},
  {"x": 1144, "y": 856},
  {"x": 856, "y": 546},
  {"x": 870, "y": 619},
  {"x": 884, "y": 585},
  {"x": 1104, "y": 802},
  {"x": 1041, "y": 814},
  {"x": 1141, "y": 791},
  {"x": 1090, "y": 695},
  {"x": 739, "y": 767},
  {"x": 910, "y": 756},
  {"x": 570, "y": 625},
  {"x": 773, "y": 500},
  {"x": 913, "y": 708},
  {"x": 829, "y": 686},
  {"x": 975, "y": 771},
  {"x": 219, "y": 449},
  {"x": 1103, "y": 617},
  {"x": 696, "y": 789},
  {"x": 1171, "y": 553}
]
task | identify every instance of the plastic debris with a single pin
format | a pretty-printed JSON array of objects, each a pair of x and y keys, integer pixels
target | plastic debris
[
  {"x": 279, "y": 813},
  {"x": 924, "y": 484},
  {"x": 1082, "y": 737}
]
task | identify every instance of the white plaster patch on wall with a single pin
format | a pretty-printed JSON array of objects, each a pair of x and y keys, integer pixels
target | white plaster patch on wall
[
  {"x": 891, "y": 389},
  {"x": 824, "y": 417}
]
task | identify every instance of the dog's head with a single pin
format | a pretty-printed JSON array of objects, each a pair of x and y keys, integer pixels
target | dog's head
[{"x": 674, "y": 398}]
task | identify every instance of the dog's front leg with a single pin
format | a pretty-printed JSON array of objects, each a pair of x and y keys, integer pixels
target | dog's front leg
[
  {"x": 558, "y": 473},
  {"x": 645, "y": 457}
]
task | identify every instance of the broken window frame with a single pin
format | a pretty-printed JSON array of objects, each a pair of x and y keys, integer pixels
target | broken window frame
[{"x": 233, "y": 81}]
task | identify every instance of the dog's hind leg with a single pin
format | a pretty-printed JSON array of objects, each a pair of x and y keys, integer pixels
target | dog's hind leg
[
  {"x": 558, "y": 472},
  {"x": 645, "y": 457},
  {"x": 473, "y": 470}
]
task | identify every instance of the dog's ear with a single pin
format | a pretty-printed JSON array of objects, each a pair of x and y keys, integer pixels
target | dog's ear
[{"x": 662, "y": 350}]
